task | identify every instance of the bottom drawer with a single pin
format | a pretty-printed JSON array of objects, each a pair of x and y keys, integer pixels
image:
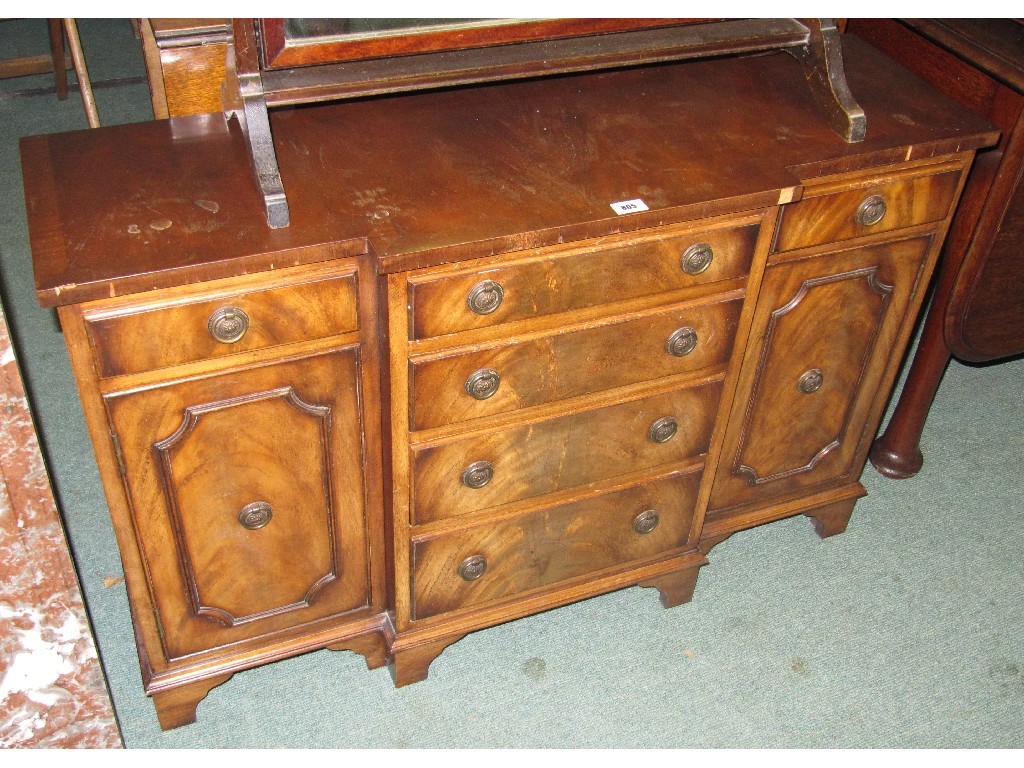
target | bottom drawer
[{"x": 502, "y": 559}]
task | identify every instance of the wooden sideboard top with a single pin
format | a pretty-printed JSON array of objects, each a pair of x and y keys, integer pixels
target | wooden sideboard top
[{"x": 444, "y": 175}]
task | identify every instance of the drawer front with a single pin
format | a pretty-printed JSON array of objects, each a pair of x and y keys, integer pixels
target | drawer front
[
  {"x": 151, "y": 335},
  {"x": 866, "y": 210},
  {"x": 541, "y": 370},
  {"x": 560, "y": 280},
  {"x": 526, "y": 461},
  {"x": 552, "y": 545}
]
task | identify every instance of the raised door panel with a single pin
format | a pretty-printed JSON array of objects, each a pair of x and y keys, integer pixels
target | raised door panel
[
  {"x": 231, "y": 456},
  {"x": 826, "y": 327},
  {"x": 247, "y": 494}
]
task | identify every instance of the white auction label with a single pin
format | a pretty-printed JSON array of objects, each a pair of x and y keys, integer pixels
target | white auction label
[{"x": 629, "y": 206}]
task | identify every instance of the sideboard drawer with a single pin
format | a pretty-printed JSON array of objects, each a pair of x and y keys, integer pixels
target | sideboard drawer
[
  {"x": 499, "y": 560},
  {"x": 866, "y": 210},
  {"x": 482, "y": 471},
  {"x": 519, "y": 374},
  {"x": 163, "y": 330},
  {"x": 562, "y": 279}
]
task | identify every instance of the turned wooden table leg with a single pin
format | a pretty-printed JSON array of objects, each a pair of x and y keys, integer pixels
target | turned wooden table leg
[
  {"x": 410, "y": 665},
  {"x": 897, "y": 453},
  {"x": 177, "y": 707},
  {"x": 371, "y": 647}
]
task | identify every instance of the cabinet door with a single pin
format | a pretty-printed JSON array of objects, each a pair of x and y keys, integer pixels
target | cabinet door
[
  {"x": 824, "y": 331},
  {"x": 247, "y": 495}
]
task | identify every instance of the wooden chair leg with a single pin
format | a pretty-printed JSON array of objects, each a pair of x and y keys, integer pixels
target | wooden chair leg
[
  {"x": 78, "y": 57},
  {"x": 60, "y": 67},
  {"x": 177, "y": 707},
  {"x": 410, "y": 665}
]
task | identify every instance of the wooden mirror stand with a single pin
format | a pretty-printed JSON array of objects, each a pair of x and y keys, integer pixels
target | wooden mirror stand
[{"x": 253, "y": 87}]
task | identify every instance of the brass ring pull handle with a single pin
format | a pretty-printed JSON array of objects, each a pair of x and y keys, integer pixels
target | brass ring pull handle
[
  {"x": 696, "y": 258},
  {"x": 682, "y": 342},
  {"x": 228, "y": 324},
  {"x": 646, "y": 521},
  {"x": 472, "y": 568},
  {"x": 485, "y": 297},
  {"x": 256, "y": 515},
  {"x": 478, "y": 474},
  {"x": 871, "y": 211},
  {"x": 663, "y": 430},
  {"x": 811, "y": 381},
  {"x": 483, "y": 383}
]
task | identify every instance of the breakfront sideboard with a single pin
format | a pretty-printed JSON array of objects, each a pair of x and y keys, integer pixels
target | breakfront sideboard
[{"x": 520, "y": 344}]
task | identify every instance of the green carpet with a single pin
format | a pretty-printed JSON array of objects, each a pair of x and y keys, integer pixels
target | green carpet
[{"x": 906, "y": 631}]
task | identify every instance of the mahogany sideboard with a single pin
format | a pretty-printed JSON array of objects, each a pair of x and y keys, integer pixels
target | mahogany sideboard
[
  {"x": 977, "y": 313},
  {"x": 460, "y": 388}
]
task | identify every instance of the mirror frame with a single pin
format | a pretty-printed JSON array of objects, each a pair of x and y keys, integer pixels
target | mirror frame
[{"x": 280, "y": 52}]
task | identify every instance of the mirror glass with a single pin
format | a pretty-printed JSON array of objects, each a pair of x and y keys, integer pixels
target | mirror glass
[{"x": 296, "y": 30}]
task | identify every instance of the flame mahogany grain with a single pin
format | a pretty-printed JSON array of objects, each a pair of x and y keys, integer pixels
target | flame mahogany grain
[{"x": 301, "y": 488}]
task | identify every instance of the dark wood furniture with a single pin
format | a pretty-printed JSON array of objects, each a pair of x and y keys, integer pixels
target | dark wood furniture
[
  {"x": 55, "y": 61},
  {"x": 977, "y": 313},
  {"x": 185, "y": 64},
  {"x": 267, "y": 67},
  {"x": 60, "y": 30},
  {"x": 460, "y": 388}
]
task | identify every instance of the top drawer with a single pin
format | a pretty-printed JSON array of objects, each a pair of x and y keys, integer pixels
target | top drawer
[
  {"x": 223, "y": 318},
  {"x": 562, "y": 278},
  {"x": 865, "y": 210}
]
